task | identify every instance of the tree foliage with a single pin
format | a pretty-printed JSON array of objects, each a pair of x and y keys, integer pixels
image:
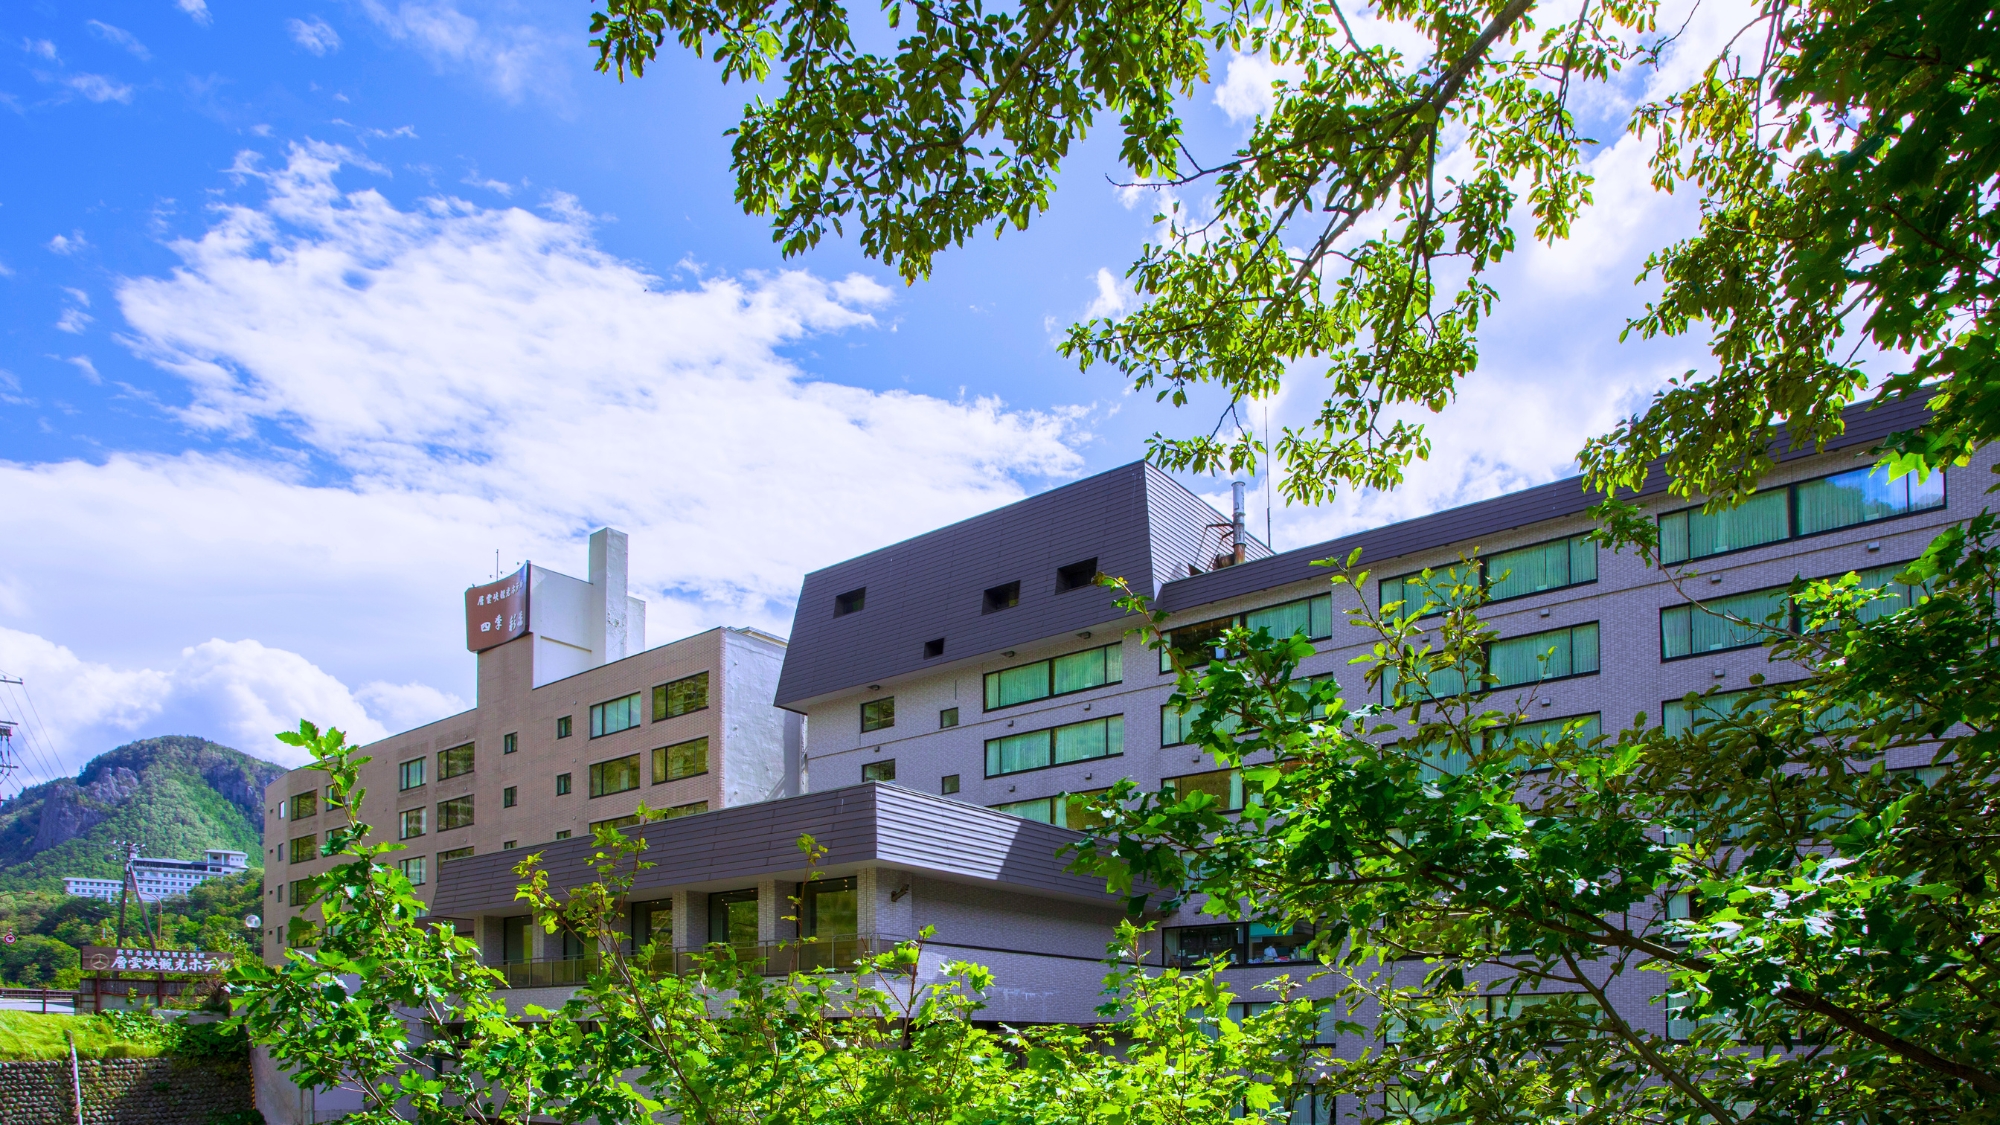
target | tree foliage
[
  {"x": 1843, "y": 153},
  {"x": 374, "y": 997},
  {"x": 1818, "y": 926}
]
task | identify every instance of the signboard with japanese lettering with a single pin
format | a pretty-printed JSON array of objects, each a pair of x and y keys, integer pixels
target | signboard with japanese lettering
[
  {"x": 106, "y": 959},
  {"x": 497, "y": 612}
]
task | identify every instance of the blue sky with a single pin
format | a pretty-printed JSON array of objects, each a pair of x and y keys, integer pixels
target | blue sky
[{"x": 311, "y": 308}]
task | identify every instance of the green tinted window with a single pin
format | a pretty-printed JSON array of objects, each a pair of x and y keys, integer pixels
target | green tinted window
[
  {"x": 1311, "y": 616},
  {"x": 878, "y": 714},
  {"x": 1582, "y": 728},
  {"x": 1428, "y": 592},
  {"x": 1226, "y": 786},
  {"x": 455, "y": 761},
  {"x": 1075, "y": 742},
  {"x": 455, "y": 813},
  {"x": 1545, "y": 566},
  {"x": 1694, "y": 534},
  {"x": 1077, "y": 671},
  {"x": 614, "y": 776},
  {"x": 682, "y": 759},
  {"x": 1862, "y": 496},
  {"x": 1543, "y": 656},
  {"x": 1736, "y": 621},
  {"x": 690, "y": 693},
  {"x": 1679, "y": 717}
]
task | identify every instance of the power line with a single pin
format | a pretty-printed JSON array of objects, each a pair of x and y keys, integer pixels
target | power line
[{"x": 35, "y": 735}]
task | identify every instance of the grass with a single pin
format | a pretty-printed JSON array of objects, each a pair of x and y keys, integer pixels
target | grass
[{"x": 32, "y": 1035}]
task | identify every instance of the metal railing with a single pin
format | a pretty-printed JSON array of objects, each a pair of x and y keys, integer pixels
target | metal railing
[{"x": 769, "y": 959}]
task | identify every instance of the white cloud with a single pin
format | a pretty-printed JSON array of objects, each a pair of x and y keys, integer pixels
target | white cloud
[
  {"x": 513, "y": 59},
  {"x": 119, "y": 37},
  {"x": 1246, "y": 89},
  {"x": 420, "y": 385},
  {"x": 1113, "y": 298},
  {"x": 42, "y": 47},
  {"x": 73, "y": 321},
  {"x": 68, "y": 244},
  {"x": 98, "y": 88},
  {"x": 82, "y": 363},
  {"x": 315, "y": 35},
  {"x": 197, "y": 10},
  {"x": 240, "y": 693}
]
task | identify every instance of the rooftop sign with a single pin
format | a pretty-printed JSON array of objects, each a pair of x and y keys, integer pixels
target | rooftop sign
[
  {"x": 497, "y": 612},
  {"x": 106, "y": 959}
]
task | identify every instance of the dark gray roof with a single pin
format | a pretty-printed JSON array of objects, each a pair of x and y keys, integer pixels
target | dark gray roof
[
  {"x": 870, "y": 822},
  {"x": 1466, "y": 524},
  {"x": 1135, "y": 520}
]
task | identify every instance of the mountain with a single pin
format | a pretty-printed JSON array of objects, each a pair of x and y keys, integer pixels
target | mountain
[{"x": 177, "y": 795}]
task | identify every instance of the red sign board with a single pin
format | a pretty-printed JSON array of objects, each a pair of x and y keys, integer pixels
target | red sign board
[{"x": 496, "y": 612}]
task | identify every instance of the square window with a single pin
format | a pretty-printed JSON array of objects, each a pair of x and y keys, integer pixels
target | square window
[
  {"x": 510, "y": 743},
  {"x": 305, "y": 805},
  {"x": 302, "y": 892},
  {"x": 305, "y": 848},
  {"x": 410, "y": 775},
  {"x": 934, "y": 649},
  {"x": 689, "y": 693},
  {"x": 850, "y": 602},
  {"x": 878, "y": 714},
  {"x": 455, "y": 813},
  {"x": 563, "y": 835},
  {"x": 1001, "y": 597},
  {"x": 948, "y": 718},
  {"x": 411, "y": 824},
  {"x": 1076, "y": 575},
  {"x": 455, "y": 761},
  {"x": 562, "y": 726},
  {"x": 413, "y": 870},
  {"x": 682, "y": 759},
  {"x": 507, "y": 797},
  {"x": 949, "y": 785},
  {"x": 562, "y": 785},
  {"x": 879, "y": 771}
]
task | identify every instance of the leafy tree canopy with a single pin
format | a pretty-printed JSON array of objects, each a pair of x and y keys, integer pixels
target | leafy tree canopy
[{"x": 1843, "y": 152}]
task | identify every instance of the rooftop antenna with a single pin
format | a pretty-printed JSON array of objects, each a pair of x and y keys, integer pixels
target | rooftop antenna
[{"x": 1236, "y": 520}]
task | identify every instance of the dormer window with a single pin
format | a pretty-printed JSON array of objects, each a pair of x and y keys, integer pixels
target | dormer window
[
  {"x": 934, "y": 649},
  {"x": 1002, "y": 597},
  {"x": 850, "y": 602},
  {"x": 1076, "y": 575}
]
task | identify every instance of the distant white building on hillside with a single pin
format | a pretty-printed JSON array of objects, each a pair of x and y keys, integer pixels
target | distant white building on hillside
[{"x": 161, "y": 878}]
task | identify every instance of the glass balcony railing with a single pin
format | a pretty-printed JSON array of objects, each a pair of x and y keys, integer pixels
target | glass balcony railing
[{"x": 770, "y": 959}]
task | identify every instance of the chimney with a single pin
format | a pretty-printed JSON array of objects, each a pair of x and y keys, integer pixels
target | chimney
[{"x": 1236, "y": 521}]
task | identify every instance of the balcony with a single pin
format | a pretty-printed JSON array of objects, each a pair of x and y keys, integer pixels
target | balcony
[{"x": 771, "y": 958}]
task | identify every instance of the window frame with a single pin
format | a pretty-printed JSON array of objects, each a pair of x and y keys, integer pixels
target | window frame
[
  {"x": 403, "y": 782},
  {"x": 510, "y": 742},
  {"x": 598, "y": 775},
  {"x": 632, "y": 700},
  {"x": 986, "y": 747},
  {"x": 422, "y": 814},
  {"x": 1792, "y": 619},
  {"x": 948, "y": 785},
  {"x": 868, "y": 703},
  {"x": 663, "y": 697},
  {"x": 463, "y": 801},
  {"x": 311, "y": 840},
  {"x": 692, "y": 808},
  {"x": 564, "y": 786},
  {"x": 663, "y": 759},
  {"x": 874, "y": 771},
  {"x": 1238, "y": 620},
  {"x": 292, "y": 805},
  {"x": 1011, "y": 591},
  {"x": 1486, "y": 576},
  {"x": 510, "y": 796},
  {"x": 416, "y": 863},
  {"x": 448, "y": 755},
  {"x": 1792, "y": 516},
  {"x": 1486, "y": 662},
  {"x": 450, "y": 854},
  {"x": 564, "y": 726},
  {"x": 853, "y": 601},
  {"x": 947, "y": 718},
  {"x": 1051, "y": 677}
]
